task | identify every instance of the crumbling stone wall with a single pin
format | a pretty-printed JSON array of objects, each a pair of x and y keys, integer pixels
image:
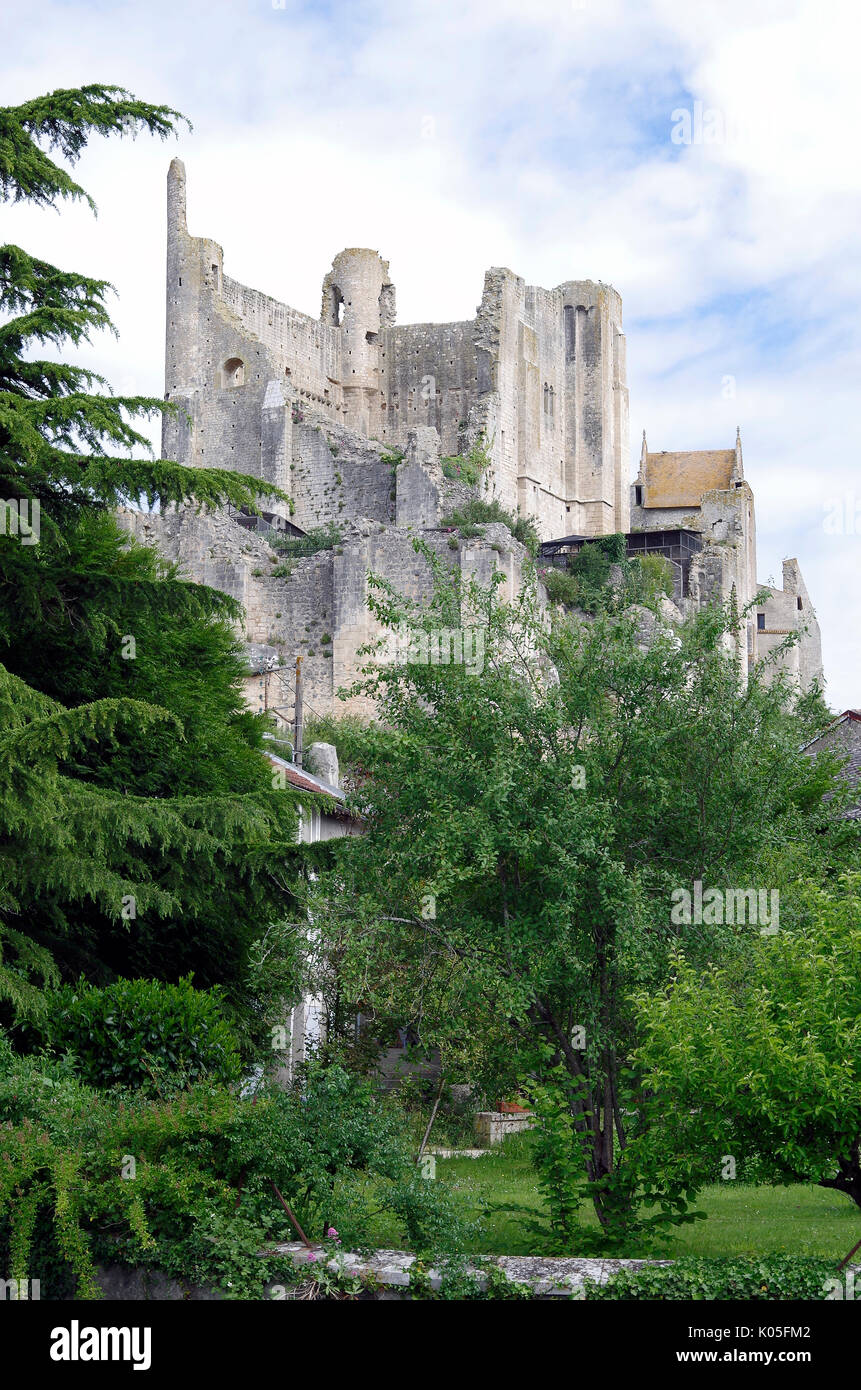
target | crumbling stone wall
[
  {"x": 318, "y": 609},
  {"x": 540, "y": 373}
]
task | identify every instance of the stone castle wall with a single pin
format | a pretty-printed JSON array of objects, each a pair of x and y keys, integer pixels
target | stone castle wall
[{"x": 540, "y": 373}]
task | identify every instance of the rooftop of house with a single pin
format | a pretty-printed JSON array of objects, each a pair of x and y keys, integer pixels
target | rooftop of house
[
  {"x": 680, "y": 479},
  {"x": 306, "y": 781}
]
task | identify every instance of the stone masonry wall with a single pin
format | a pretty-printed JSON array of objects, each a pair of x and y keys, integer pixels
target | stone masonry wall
[{"x": 541, "y": 373}]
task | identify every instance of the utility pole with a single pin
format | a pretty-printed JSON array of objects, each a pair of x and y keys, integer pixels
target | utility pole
[{"x": 297, "y": 717}]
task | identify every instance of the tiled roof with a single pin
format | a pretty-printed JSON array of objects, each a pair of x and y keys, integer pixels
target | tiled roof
[
  {"x": 298, "y": 777},
  {"x": 680, "y": 479}
]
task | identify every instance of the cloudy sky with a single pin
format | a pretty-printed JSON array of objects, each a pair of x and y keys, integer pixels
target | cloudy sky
[{"x": 700, "y": 157}]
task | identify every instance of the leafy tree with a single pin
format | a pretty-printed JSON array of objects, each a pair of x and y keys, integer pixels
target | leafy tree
[
  {"x": 135, "y": 808},
  {"x": 759, "y": 1060},
  {"x": 527, "y": 825}
]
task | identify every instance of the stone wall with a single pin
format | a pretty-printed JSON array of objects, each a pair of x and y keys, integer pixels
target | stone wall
[
  {"x": 725, "y": 518},
  {"x": 540, "y": 373},
  {"x": 318, "y": 609}
]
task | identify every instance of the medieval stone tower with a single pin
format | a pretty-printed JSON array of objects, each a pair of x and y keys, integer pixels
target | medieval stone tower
[
  {"x": 365, "y": 424},
  {"x": 538, "y": 374}
]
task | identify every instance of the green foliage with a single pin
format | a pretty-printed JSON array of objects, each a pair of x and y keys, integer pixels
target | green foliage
[
  {"x": 298, "y": 547},
  {"x": 197, "y": 1202},
  {"x": 548, "y": 822},
  {"x": 472, "y": 515},
  {"x": 562, "y": 586},
  {"x": 360, "y": 742},
  {"x": 141, "y": 1034},
  {"x": 64, "y": 121},
  {"x": 557, "y": 1155},
  {"x": 775, "y": 1278},
  {"x": 132, "y": 788},
  {"x": 468, "y": 468},
  {"x": 650, "y": 577},
  {"x": 460, "y": 1284},
  {"x": 585, "y": 582},
  {"x": 758, "y": 1057}
]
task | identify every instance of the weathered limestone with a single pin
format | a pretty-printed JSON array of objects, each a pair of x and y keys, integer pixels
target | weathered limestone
[
  {"x": 705, "y": 491},
  {"x": 318, "y": 611},
  {"x": 353, "y": 417},
  {"x": 540, "y": 373}
]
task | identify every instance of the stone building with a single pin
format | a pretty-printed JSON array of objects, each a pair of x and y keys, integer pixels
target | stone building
[
  {"x": 842, "y": 738},
  {"x": 360, "y": 420},
  {"x": 702, "y": 507},
  {"x": 540, "y": 374}
]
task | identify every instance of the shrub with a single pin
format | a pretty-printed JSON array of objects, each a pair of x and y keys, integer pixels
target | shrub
[
  {"x": 586, "y": 581},
  {"x": 776, "y": 1278},
  {"x": 468, "y": 468},
  {"x": 476, "y": 513},
  {"x": 561, "y": 586},
  {"x": 185, "y": 1185},
  {"x": 141, "y": 1034},
  {"x": 650, "y": 578},
  {"x": 299, "y": 547}
]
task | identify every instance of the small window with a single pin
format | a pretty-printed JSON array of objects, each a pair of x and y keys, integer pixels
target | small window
[
  {"x": 638, "y": 495},
  {"x": 233, "y": 372},
  {"x": 760, "y": 622},
  {"x": 799, "y": 604}
]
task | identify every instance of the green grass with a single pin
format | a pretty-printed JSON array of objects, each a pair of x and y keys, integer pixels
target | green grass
[{"x": 742, "y": 1220}]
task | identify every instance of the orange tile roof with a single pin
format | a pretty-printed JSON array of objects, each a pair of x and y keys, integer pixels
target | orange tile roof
[{"x": 680, "y": 479}]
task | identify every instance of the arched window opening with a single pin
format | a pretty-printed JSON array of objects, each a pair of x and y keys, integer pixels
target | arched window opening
[{"x": 233, "y": 372}]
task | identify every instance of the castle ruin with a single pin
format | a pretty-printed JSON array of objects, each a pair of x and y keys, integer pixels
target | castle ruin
[{"x": 360, "y": 419}]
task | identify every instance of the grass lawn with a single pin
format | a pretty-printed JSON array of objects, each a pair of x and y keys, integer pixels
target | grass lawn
[{"x": 742, "y": 1220}]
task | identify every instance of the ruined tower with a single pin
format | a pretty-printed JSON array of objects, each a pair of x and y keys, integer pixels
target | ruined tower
[{"x": 537, "y": 378}]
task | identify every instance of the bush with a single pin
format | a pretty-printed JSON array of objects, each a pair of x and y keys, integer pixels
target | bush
[
  {"x": 650, "y": 578},
  {"x": 185, "y": 1186},
  {"x": 585, "y": 583},
  {"x": 299, "y": 547},
  {"x": 468, "y": 468},
  {"x": 561, "y": 586},
  {"x": 476, "y": 513},
  {"x": 776, "y": 1278},
  {"x": 141, "y": 1034}
]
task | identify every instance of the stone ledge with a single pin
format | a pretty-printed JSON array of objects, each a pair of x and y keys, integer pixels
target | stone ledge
[{"x": 548, "y": 1276}]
